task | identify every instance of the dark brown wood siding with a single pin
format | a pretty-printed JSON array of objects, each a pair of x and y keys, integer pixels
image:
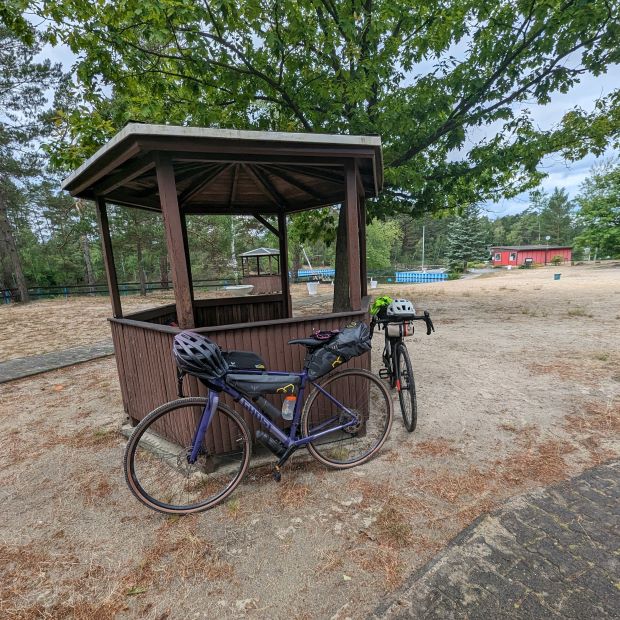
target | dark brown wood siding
[
  {"x": 221, "y": 311},
  {"x": 147, "y": 372}
]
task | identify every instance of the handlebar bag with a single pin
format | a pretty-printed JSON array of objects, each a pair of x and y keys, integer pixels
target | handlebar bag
[{"x": 352, "y": 341}]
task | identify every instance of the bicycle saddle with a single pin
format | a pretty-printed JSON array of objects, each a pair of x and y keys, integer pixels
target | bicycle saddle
[{"x": 311, "y": 343}]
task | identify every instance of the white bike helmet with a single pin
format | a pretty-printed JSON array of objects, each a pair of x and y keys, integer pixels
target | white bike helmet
[{"x": 400, "y": 307}]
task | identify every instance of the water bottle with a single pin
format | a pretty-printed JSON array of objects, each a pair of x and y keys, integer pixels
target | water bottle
[{"x": 288, "y": 407}]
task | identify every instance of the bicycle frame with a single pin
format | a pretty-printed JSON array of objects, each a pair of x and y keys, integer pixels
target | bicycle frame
[{"x": 288, "y": 441}]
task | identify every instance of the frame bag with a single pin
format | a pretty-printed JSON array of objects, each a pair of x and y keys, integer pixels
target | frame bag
[{"x": 352, "y": 341}]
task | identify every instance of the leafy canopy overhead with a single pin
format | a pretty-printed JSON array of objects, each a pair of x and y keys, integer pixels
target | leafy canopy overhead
[{"x": 426, "y": 76}]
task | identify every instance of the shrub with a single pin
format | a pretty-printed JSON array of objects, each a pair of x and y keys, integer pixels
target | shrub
[{"x": 557, "y": 260}]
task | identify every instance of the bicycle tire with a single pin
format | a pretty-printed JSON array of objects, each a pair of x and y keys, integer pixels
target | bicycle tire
[
  {"x": 168, "y": 444},
  {"x": 405, "y": 384},
  {"x": 329, "y": 449}
]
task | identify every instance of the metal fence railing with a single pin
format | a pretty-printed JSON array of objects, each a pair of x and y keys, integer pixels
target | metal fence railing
[
  {"x": 388, "y": 276},
  {"x": 125, "y": 288}
]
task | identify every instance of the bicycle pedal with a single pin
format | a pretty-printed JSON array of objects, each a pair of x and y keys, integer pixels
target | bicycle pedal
[
  {"x": 277, "y": 474},
  {"x": 384, "y": 373}
]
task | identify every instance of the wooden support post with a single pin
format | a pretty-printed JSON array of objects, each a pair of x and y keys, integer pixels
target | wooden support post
[
  {"x": 187, "y": 256},
  {"x": 353, "y": 242},
  {"x": 108, "y": 257},
  {"x": 362, "y": 236},
  {"x": 282, "y": 237},
  {"x": 176, "y": 242}
]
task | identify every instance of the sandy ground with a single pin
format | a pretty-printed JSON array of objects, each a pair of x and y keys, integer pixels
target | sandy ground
[
  {"x": 56, "y": 324},
  {"x": 518, "y": 387}
]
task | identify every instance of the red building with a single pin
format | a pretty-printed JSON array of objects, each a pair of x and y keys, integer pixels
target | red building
[{"x": 523, "y": 254}]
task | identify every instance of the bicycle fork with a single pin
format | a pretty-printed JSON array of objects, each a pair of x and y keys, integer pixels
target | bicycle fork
[{"x": 205, "y": 420}]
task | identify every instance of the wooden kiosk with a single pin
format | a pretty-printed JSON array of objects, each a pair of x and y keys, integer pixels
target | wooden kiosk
[
  {"x": 261, "y": 268},
  {"x": 177, "y": 171}
]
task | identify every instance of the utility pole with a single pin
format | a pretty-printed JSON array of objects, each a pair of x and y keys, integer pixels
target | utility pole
[{"x": 423, "y": 235}]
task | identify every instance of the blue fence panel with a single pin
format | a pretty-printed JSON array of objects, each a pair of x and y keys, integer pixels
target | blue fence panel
[
  {"x": 326, "y": 273},
  {"x": 419, "y": 276}
]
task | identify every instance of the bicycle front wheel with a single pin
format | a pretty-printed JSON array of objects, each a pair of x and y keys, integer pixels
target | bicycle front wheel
[
  {"x": 405, "y": 384},
  {"x": 157, "y": 467},
  {"x": 354, "y": 397}
]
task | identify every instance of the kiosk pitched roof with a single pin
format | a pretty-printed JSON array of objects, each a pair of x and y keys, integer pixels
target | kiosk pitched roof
[{"x": 228, "y": 171}]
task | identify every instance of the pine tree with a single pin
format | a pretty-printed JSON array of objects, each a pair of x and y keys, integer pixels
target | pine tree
[
  {"x": 24, "y": 83},
  {"x": 466, "y": 240}
]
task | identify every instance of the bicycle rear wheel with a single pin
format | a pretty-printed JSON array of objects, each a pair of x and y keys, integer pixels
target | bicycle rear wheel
[
  {"x": 369, "y": 407},
  {"x": 157, "y": 469},
  {"x": 405, "y": 384}
]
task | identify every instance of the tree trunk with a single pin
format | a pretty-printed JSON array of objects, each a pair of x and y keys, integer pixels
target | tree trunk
[
  {"x": 88, "y": 263},
  {"x": 233, "y": 247},
  {"x": 141, "y": 274},
  {"x": 163, "y": 272},
  {"x": 8, "y": 248},
  {"x": 341, "y": 281}
]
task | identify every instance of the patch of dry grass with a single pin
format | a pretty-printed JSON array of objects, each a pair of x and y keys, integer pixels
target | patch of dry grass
[
  {"x": 330, "y": 560},
  {"x": 27, "y": 570},
  {"x": 592, "y": 424},
  {"x": 578, "y": 311},
  {"x": 544, "y": 463},
  {"x": 393, "y": 528},
  {"x": 372, "y": 493},
  {"x": 381, "y": 561},
  {"x": 602, "y": 417},
  {"x": 472, "y": 512},
  {"x": 435, "y": 447},
  {"x": 292, "y": 494},
  {"x": 18, "y": 446},
  {"x": 177, "y": 555},
  {"x": 95, "y": 490},
  {"x": 102, "y": 437},
  {"x": 451, "y": 487}
]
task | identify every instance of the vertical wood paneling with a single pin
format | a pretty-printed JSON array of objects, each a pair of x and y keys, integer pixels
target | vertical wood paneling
[{"x": 148, "y": 377}]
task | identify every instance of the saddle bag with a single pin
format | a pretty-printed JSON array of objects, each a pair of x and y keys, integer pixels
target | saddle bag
[{"x": 352, "y": 341}]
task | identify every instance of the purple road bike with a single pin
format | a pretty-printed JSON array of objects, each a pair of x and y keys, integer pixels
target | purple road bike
[{"x": 191, "y": 453}]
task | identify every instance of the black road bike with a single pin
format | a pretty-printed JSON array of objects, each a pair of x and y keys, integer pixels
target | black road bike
[{"x": 397, "y": 363}]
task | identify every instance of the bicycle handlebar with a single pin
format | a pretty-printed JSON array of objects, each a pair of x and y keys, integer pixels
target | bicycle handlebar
[{"x": 426, "y": 317}]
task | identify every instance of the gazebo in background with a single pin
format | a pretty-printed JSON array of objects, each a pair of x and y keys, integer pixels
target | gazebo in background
[
  {"x": 183, "y": 171},
  {"x": 261, "y": 269}
]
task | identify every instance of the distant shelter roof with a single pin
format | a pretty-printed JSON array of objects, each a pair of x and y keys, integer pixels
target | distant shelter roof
[
  {"x": 228, "y": 171},
  {"x": 261, "y": 252}
]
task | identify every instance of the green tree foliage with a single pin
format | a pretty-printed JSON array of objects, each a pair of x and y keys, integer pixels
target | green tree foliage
[
  {"x": 382, "y": 238},
  {"x": 353, "y": 67},
  {"x": 23, "y": 120},
  {"x": 425, "y": 77},
  {"x": 557, "y": 217},
  {"x": 466, "y": 239},
  {"x": 599, "y": 213}
]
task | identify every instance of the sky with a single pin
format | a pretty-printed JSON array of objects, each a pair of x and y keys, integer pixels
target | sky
[{"x": 560, "y": 173}]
